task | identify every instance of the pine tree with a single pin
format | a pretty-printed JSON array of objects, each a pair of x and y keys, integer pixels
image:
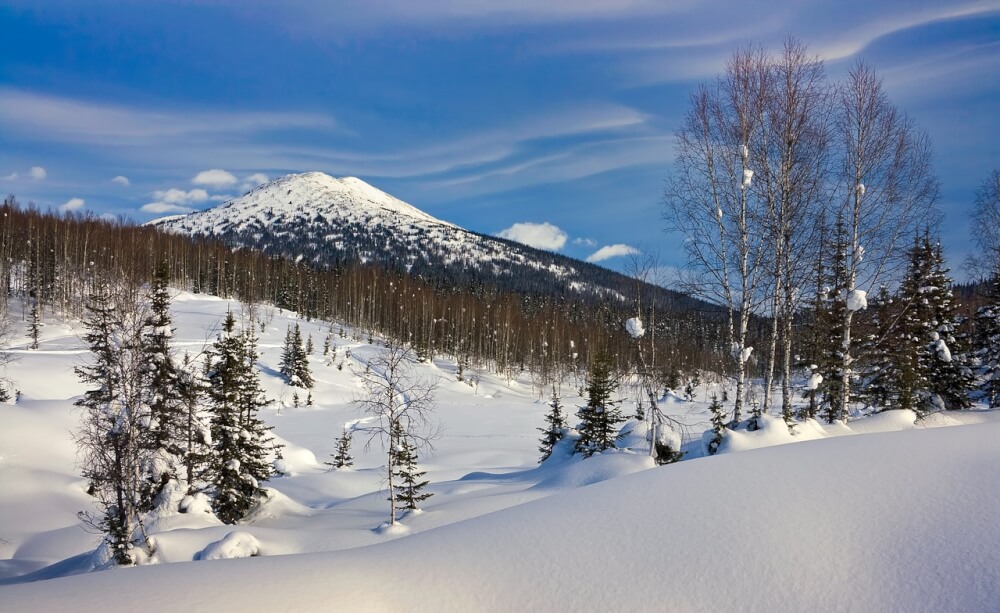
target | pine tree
[
  {"x": 949, "y": 373},
  {"x": 408, "y": 484},
  {"x": 342, "y": 457},
  {"x": 163, "y": 439},
  {"x": 931, "y": 371},
  {"x": 34, "y": 324},
  {"x": 556, "y": 425},
  {"x": 830, "y": 320},
  {"x": 719, "y": 417},
  {"x": 987, "y": 345},
  {"x": 880, "y": 365},
  {"x": 600, "y": 417},
  {"x": 295, "y": 360},
  {"x": 240, "y": 441}
]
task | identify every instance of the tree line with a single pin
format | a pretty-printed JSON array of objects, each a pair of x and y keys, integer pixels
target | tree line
[{"x": 811, "y": 203}]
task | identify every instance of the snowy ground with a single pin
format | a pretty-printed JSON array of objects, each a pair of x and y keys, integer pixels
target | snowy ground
[{"x": 890, "y": 521}]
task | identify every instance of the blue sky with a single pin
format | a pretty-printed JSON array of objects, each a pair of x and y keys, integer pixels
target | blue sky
[{"x": 550, "y": 120}]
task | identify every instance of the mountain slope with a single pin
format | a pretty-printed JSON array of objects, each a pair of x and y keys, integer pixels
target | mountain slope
[{"x": 328, "y": 222}]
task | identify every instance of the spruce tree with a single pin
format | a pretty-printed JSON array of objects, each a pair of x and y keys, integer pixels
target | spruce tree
[
  {"x": 240, "y": 441},
  {"x": 719, "y": 416},
  {"x": 295, "y": 360},
  {"x": 830, "y": 321},
  {"x": 987, "y": 345},
  {"x": 34, "y": 324},
  {"x": 164, "y": 437},
  {"x": 600, "y": 417},
  {"x": 408, "y": 483},
  {"x": 556, "y": 424},
  {"x": 881, "y": 351},
  {"x": 949, "y": 373},
  {"x": 342, "y": 457}
]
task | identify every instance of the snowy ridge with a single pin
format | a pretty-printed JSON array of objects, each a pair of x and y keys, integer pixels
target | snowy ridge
[
  {"x": 298, "y": 197},
  {"x": 325, "y": 221}
]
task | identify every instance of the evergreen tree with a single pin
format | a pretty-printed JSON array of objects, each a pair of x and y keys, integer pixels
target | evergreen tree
[
  {"x": 880, "y": 366},
  {"x": 163, "y": 439},
  {"x": 34, "y": 324},
  {"x": 408, "y": 484},
  {"x": 830, "y": 322},
  {"x": 987, "y": 345},
  {"x": 719, "y": 416},
  {"x": 240, "y": 441},
  {"x": 556, "y": 425},
  {"x": 342, "y": 457},
  {"x": 295, "y": 360},
  {"x": 600, "y": 417},
  {"x": 930, "y": 370},
  {"x": 949, "y": 373}
]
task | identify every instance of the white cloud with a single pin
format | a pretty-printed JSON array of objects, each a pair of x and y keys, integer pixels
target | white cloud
[
  {"x": 586, "y": 242},
  {"x": 611, "y": 251},
  {"x": 120, "y": 180},
  {"x": 38, "y": 173},
  {"x": 252, "y": 181},
  {"x": 537, "y": 235},
  {"x": 214, "y": 178},
  {"x": 12, "y": 176},
  {"x": 175, "y": 200},
  {"x": 72, "y": 204},
  {"x": 164, "y": 207},
  {"x": 179, "y": 196}
]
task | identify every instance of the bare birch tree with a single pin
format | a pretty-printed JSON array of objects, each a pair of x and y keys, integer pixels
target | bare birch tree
[
  {"x": 401, "y": 404},
  {"x": 710, "y": 199},
  {"x": 986, "y": 226},
  {"x": 887, "y": 186},
  {"x": 793, "y": 165}
]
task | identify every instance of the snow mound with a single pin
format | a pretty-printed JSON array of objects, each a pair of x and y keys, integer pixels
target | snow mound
[
  {"x": 857, "y": 300},
  {"x": 236, "y": 544},
  {"x": 886, "y": 522}
]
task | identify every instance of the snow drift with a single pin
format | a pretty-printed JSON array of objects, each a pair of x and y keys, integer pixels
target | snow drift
[{"x": 901, "y": 521}]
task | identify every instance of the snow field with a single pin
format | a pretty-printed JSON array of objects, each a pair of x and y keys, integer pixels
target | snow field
[{"x": 890, "y": 521}]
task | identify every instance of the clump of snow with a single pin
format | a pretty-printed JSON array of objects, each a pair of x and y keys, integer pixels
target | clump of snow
[
  {"x": 634, "y": 327},
  {"x": 236, "y": 544},
  {"x": 814, "y": 381},
  {"x": 941, "y": 350},
  {"x": 196, "y": 503},
  {"x": 857, "y": 300},
  {"x": 747, "y": 177},
  {"x": 861, "y": 189}
]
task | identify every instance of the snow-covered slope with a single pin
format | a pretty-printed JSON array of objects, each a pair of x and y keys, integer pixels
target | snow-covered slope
[
  {"x": 900, "y": 521},
  {"x": 325, "y": 221}
]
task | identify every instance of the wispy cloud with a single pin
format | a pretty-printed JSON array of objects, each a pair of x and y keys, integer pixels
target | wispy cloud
[
  {"x": 611, "y": 251},
  {"x": 539, "y": 235},
  {"x": 121, "y": 180},
  {"x": 11, "y": 177},
  {"x": 67, "y": 120},
  {"x": 38, "y": 173},
  {"x": 163, "y": 207}
]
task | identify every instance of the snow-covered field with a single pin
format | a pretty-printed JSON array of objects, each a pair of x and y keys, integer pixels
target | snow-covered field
[{"x": 901, "y": 519}]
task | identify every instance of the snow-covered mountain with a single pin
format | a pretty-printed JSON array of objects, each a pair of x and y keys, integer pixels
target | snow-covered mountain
[{"x": 325, "y": 221}]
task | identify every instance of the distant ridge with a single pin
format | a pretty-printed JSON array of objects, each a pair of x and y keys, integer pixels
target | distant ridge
[{"x": 328, "y": 222}]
